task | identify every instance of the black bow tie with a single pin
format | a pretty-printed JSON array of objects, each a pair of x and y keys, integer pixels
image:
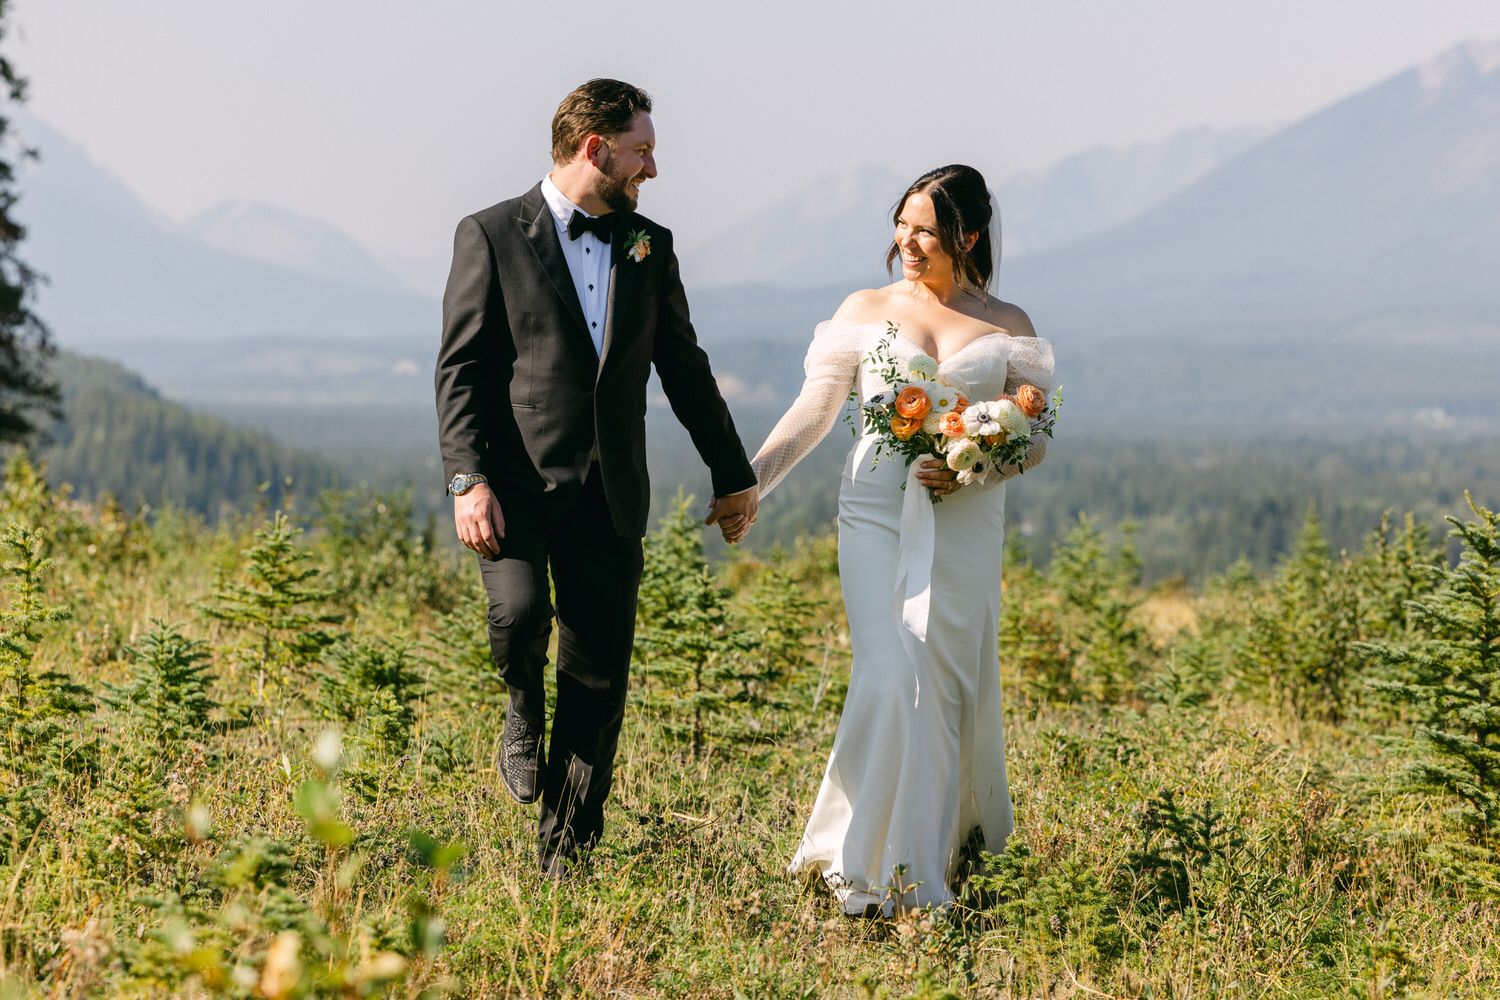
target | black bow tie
[{"x": 579, "y": 224}]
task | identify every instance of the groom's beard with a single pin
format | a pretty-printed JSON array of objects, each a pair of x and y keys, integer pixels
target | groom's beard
[{"x": 612, "y": 190}]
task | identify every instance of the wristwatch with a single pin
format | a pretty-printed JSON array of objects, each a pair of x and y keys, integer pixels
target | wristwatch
[{"x": 464, "y": 482}]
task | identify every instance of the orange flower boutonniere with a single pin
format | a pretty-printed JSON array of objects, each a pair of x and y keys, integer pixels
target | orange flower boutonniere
[{"x": 639, "y": 243}]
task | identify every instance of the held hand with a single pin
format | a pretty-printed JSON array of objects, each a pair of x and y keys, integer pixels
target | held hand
[
  {"x": 734, "y": 514},
  {"x": 937, "y": 477},
  {"x": 480, "y": 523}
]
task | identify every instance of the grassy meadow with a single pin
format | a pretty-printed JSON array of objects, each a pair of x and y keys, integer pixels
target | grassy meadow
[{"x": 257, "y": 760}]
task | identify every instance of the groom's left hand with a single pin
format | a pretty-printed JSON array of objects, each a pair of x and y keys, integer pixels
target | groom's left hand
[{"x": 734, "y": 514}]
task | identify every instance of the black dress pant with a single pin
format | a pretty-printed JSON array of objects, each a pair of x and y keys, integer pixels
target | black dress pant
[{"x": 596, "y": 575}]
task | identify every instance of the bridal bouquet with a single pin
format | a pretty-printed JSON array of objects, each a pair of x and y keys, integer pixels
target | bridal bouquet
[{"x": 922, "y": 413}]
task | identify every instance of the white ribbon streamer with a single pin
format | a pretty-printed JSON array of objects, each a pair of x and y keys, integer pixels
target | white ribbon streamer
[{"x": 913, "y": 595}]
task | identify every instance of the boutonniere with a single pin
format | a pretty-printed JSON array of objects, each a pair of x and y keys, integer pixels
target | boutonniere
[{"x": 639, "y": 243}]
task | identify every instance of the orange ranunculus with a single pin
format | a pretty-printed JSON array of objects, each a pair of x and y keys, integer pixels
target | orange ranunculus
[
  {"x": 1004, "y": 396},
  {"x": 962, "y": 404},
  {"x": 913, "y": 403},
  {"x": 953, "y": 424},
  {"x": 1031, "y": 401},
  {"x": 904, "y": 427},
  {"x": 991, "y": 440}
]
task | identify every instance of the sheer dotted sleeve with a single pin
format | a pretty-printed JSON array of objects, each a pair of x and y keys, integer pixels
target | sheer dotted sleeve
[
  {"x": 831, "y": 366},
  {"x": 1030, "y": 364}
]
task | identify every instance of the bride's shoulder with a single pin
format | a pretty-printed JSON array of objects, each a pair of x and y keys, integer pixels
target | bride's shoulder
[
  {"x": 1009, "y": 318},
  {"x": 868, "y": 305}
]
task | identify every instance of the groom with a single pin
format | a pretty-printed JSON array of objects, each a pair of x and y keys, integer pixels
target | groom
[{"x": 558, "y": 304}]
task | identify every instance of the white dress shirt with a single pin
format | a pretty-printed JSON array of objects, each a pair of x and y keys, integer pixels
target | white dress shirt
[{"x": 588, "y": 263}]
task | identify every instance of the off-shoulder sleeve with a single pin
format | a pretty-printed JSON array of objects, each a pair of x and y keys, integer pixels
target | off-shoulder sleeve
[
  {"x": 831, "y": 366},
  {"x": 1030, "y": 364}
]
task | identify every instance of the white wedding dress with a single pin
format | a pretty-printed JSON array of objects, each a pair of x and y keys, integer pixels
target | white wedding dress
[{"x": 919, "y": 757}]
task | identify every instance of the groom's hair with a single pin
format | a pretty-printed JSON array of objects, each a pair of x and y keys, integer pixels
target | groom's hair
[{"x": 599, "y": 107}]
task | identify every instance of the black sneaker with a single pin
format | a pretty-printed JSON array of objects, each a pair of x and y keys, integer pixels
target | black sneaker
[{"x": 521, "y": 762}]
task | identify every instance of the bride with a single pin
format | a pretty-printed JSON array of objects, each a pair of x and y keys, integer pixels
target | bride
[{"x": 919, "y": 758}]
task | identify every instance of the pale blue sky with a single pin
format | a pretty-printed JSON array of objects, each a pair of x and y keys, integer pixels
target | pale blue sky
[{"x": 393, "y": 118}]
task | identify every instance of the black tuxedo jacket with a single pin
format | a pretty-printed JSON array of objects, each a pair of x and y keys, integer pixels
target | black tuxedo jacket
[{"x": 521, "y": 395}]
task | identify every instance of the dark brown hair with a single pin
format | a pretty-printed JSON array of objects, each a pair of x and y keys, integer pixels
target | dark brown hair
[
  {"x": 962, "y": 204},
  {"x": 599, "y": 107}
]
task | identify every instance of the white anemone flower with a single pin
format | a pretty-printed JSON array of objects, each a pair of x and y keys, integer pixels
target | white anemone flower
[
  {"x": 975, "y": 475},
  {"x": 1013, "y": 419},
  {"x": 962, "y": 454},
  {"x": 923, "y": 366},
  {"x": 944, "y": 397},
  {"x": 982, "y": 419}
]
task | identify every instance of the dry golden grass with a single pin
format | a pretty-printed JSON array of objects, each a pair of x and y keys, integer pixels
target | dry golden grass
[{"x": 1316, "y": 873}]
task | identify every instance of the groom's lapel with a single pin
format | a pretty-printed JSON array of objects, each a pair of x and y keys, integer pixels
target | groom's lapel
[
  {"x": 541, "y": 235},
  {"x": 622, "y": 268}
]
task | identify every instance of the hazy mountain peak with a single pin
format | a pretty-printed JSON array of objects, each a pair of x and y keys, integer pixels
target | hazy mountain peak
[
  {"x": 1386, "y": 197},
  {"x": 842, "y": 223},
  {"x": 841, "y": 226},
  {"x": 276, "y": 236},
  {"x": 831, "y": 197},
  {"x": 63, "y": 165},
  {"x": 1102, "y": 186},
  {"x": 118, "y": 271},
  {"x": 1460, "y": 64}
]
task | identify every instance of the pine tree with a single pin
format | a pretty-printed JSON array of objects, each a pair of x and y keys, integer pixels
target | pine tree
[
  {"x": 375, "y": 683},
  {"x": 276, "y": 601},
  {"x": 34, "y": 705},
  {"x": 687, "y": 641},
  {"x": 25, "y": 345},
  {"x": 1396, "y": 568},
  {"x": 167, "y": 697},
  {"x": 1032, "y": 647},
  {"x": 1098, "y": 590},
  {"x": 1298, "y": 644},
  {"x": 1449, "y": 674},
  {"x": 779, "y": 616}
]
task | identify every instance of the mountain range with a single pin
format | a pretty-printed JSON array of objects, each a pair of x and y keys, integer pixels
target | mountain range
[
  {"x": 119, "y": 273},
  {"x": 835, "y": 231},
  {"x": 275, "y": 236},
  {"x": 1336, "y": 255},
  {"x": 1389, "y": 199}
]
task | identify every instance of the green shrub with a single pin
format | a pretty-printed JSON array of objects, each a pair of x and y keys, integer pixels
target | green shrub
[
  {"x": 1178, "y": 850},
  {"x": 374, "y": 558},
  {"x": 1059, "y": 907}
]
